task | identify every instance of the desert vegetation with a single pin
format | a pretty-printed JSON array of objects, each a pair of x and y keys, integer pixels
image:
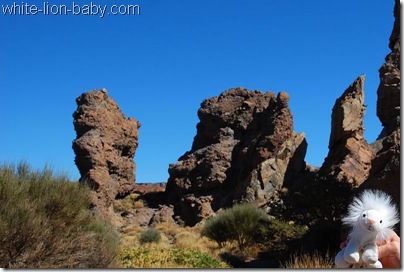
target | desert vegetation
[
  {"x": 232, "y": 238},
  {"x": 242, "y": 223},
  {"x": 160, "y": 257},
  {"x": 45, "y": 222}
]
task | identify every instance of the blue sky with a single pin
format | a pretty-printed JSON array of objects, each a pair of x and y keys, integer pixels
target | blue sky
[{"x": 160, "y": 64}]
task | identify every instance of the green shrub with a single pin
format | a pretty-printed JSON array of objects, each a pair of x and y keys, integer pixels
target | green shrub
[
  {"x": 150, "y": 235},
  {"x": 242, "y": 223},
  {"x": 278, "y": 233},
  {"x": 195, "y": 259},
  {"x": 45, "y": 222}
]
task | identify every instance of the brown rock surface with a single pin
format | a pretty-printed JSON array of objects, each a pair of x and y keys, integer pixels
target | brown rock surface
[
  {"x": 238, "y": 132},
  {"x": 105, "y": 147},
  {"x": 164, "y": 214},
  {"x": 145, "y": 188},
  {"x": 319, "y": 199},
  {"x": 388, "y": 93},
  {"x": 349, "y": 157},
  {"x": 140, "y": 217},
  {"x": 385, "y": 172},
  {"x": 264, "y": 182}
]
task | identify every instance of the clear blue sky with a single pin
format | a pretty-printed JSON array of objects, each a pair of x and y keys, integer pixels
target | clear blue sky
[{"x": 161, "y": 64}]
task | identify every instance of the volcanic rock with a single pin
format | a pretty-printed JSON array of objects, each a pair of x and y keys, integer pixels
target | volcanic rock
[
  {"x": 165, "y": 214},
  {"x": 385, "y": 172},
  {"x": 105, "y": 147},
  {"x": 264, "y": 182},
  {"x": 244, "y": 144},
  {"x": 140, "y": 217},
  {"x": 349, "y": 157},
  {"x": 388, "y": 93}
]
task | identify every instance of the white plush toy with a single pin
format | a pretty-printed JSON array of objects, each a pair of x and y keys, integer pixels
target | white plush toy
[{"x": 371, "y": 217}]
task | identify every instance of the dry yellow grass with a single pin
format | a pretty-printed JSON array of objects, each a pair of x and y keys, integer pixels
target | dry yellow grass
[
  {"x": 168, "y": 228},
  {"x": 155, "y": 256},
  {"x": 172, "y": 236},
  {"x": 190, "y": 238},
  {"x": 186, "y": 239},
  {"x": 131, "y": 230},
  {"x": 130, "y": 238},
  {"x": 315, "y": 260},
  {"x": 131, "y": 201},
  {"x": 176, "y": 237}
]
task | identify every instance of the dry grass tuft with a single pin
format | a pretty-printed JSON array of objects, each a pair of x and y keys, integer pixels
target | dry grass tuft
[
  {"x": 168, "y": 228},
  {"x": 186, "y": 239},
  {"x": 130, "y": 202},
  {"x": 315, "y": 260}
]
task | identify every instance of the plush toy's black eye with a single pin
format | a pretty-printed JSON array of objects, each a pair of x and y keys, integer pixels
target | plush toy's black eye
[
  {"x": 364, "y": 215},
  {"x": 381, "y": 221}
]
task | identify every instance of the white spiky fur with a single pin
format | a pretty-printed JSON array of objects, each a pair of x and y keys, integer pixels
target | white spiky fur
[
  {"x": 375, "y": 204},
  {"x": 372, "y": 200}
]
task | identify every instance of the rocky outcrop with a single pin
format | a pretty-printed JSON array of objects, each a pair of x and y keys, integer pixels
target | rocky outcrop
[
  {"x": 385, "y": 172},
  {"x": 148, "y": 217},
  {"x": 105, "y": 147},
  {"x": 164, "y": 214},
  {"x": 265, "y": 181},
  {"x": 244, "y": 148},
  {"x": 349, "y": 157},
  {"x": 388, "y": 93}
]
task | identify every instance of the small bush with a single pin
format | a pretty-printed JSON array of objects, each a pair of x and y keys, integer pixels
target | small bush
[
  {"x": 150, "y": 235},
  {"x": 241, "y": 223},
  {"x": 278, "y": 233},
  {"x": 45, "y": 223}
]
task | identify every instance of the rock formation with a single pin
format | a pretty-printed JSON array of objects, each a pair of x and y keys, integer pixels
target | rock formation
[
  {"x": 385, "y": 172},
  {"x": 105, "y": 147},
  {"x": 349, "y": 157},
  {"x": 244, "y": 148}
]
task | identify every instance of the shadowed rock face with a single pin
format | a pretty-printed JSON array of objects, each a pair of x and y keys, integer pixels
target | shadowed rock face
[
  {"x": 349, "y": 158},
  {"x": 385, "y": 172},
  {"x": 388, "y": 93},
  {"x": 105, "y": 147},
  {"x": 244, "y": 147}
]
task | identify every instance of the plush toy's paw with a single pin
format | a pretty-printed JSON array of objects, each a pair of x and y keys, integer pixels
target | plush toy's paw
[
  {"x": 375, "y": 265},
  {"x": 370, "y": 254},
  {"x": 352, "y": 258},
  {"x": 339, "y": 260}
]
